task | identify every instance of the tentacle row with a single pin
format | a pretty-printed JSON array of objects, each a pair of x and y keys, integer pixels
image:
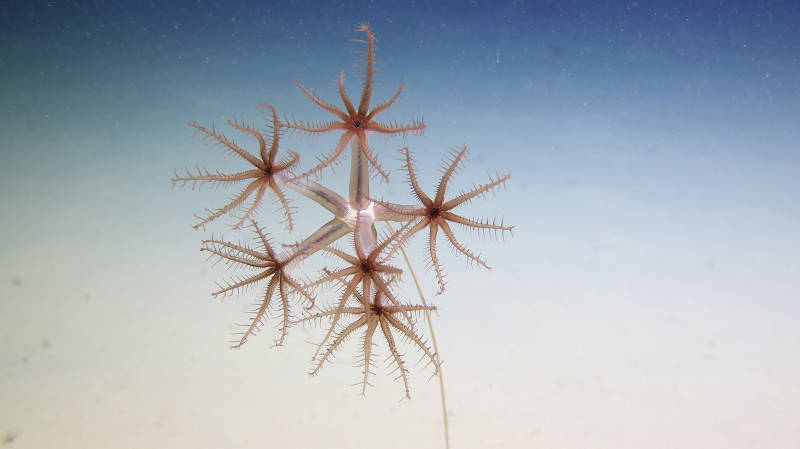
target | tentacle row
[
  {"x": 269, "y": 266},
  {"x": 355, "y": 122},
  {"x": 370, "y": 315},
  {"x": 436, "y": 214},
  {"x": 263, "y": 177}
]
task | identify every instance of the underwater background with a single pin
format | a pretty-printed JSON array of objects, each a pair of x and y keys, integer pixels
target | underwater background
[{"x": 648, "y": 296}]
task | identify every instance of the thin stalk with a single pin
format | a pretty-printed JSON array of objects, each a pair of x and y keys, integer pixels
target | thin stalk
[{"x": 433, "y": 340}]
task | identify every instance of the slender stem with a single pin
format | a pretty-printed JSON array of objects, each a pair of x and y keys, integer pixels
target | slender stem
[{"x": 433, "y": 340}]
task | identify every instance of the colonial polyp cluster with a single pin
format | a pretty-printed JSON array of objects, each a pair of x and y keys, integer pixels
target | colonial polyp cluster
[{"x": 363, "y": 285}]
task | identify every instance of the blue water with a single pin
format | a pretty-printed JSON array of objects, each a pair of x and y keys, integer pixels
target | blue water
[{"x": 648, "y": 296}]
